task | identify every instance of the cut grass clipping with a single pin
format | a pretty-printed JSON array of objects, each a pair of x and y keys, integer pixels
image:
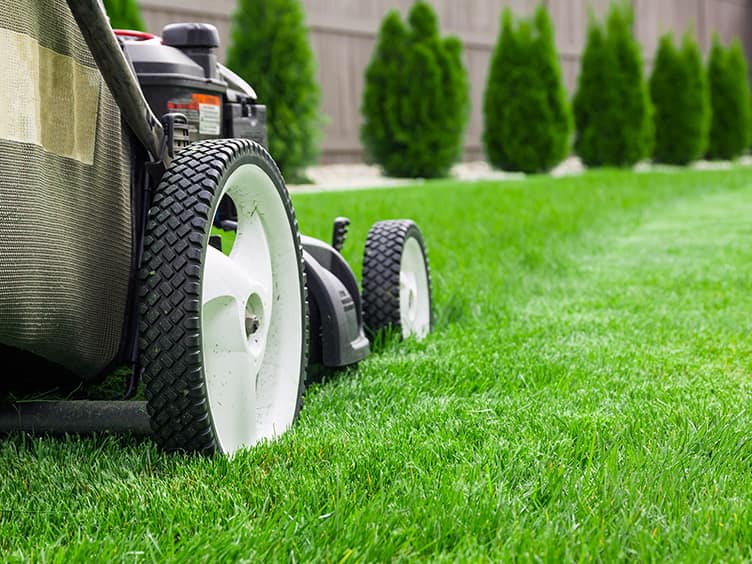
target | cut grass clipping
[{"x": 586, "y": 394}]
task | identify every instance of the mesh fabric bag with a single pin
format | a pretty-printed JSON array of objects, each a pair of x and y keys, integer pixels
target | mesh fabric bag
[{"x": 65, "y": 204}]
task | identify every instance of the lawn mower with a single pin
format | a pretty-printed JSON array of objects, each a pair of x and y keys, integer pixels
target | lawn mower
[{"x": 145, "y": 225}]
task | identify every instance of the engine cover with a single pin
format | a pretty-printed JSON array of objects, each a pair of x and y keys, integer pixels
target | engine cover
[{"x": 180, "y": 74}]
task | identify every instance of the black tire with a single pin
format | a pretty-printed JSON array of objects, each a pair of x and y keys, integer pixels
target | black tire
[
  {"x": 382, "y": 263},
  {"x": 171, "y": 278}
]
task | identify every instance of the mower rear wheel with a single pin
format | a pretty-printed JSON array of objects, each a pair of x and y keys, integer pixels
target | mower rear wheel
[
  {"x": 397, "y": 280},
  {"x": 223, "y": 336}
]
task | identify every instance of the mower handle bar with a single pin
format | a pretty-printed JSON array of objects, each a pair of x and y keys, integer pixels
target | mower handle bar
[{"x": 108, "y": 54}]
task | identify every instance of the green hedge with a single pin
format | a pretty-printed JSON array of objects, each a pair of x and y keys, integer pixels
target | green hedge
[
  {"x": 527, "y": 119},
  {"x": 730, "y": 101},
  {"x": 680, "y": 95},
  {"x": 612, "y": 109},
  {"x": 415, "y": 103},
  {"x": 124, "y": 14},
  {"x": 270, "y": 49}
]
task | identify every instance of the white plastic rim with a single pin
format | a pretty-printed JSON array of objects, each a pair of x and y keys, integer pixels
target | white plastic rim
[
  {"x": 415, "y": 299},
  {"x": 252, "y": 318}
]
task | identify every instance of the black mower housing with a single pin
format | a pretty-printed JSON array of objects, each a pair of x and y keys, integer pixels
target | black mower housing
[
  {"x": 337, "y": 336},
  {"x": 180, "y": 74}
]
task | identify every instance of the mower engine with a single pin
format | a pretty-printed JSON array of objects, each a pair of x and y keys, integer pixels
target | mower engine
[{"x": 179, "y": 73}]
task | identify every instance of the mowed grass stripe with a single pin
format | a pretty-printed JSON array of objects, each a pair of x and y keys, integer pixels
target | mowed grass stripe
[{"x": 585, "y": 395}]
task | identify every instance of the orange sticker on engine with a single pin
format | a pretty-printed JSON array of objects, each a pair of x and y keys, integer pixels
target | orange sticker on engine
[{"x": 206, "y": 99}]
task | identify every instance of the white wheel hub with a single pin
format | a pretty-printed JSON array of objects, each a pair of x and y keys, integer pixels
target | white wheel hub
[
  {"x": 251, "y": 318},
  {"x": 415, "y": 301}
]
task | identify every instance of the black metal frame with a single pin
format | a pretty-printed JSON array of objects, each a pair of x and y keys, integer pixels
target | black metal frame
[{"x": 119, "y": 77}]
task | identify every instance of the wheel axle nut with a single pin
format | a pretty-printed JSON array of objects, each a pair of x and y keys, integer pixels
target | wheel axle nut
[{"x": 252, "y": 324}]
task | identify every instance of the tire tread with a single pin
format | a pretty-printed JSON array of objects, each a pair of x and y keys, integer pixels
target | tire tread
[
  {"x": 175, "y": 242},
  {"x": 382, "y": 260}
]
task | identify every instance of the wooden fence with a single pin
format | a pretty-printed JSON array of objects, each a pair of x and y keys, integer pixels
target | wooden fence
[{"x": 343, "y": 34}]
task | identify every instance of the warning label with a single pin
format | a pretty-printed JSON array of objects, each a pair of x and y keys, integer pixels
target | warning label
[
  {"x": 203, "y": 113},
  {"x": 209, "y": 119}
]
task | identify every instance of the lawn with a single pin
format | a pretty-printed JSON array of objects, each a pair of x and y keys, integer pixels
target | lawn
[{"x": 585, "y": 395}]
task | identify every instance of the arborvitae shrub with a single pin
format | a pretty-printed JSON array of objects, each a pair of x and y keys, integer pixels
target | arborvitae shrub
[
  {"x": 637, "y": 114},
  {"x": 416, "y": 103},
  {"x": 460, "y": 93},
  {"x": 124, "y": 14},
  {"x": 594, "y": 100},
  {"x": 698, "y": 100},
  {"x": 730, "y": 101},
  {"x": 680, "y": 98},
  {"x": 740, "y": 71},
  {"x": 383, "y": 95},
  {"x": 612, "y": 109},
  {"x": 527, "y": 120},
  {"x": 550, "y": 73},
  {"x": 270, "y": 49}
]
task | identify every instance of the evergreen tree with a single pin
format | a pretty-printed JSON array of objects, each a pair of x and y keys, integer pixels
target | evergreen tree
[
  {"x": 415, "y": 103},
  {"x": 637, "y": 111},
  {"x": 124, "y": 14},
  {"x": 501, "y": 90},
  {"x": 459, "y": 95},
  {"x": 612, "y": 107},
  {"x": 595, "y": 100},
  {"x": 527, "y": 120},
  {"x": 270, "y": 49},
  {"x": 698, "y": 98},
  {"x": 730, "y": 101},
  {"x": 729, "y": 95},
  {"x": 550, "y": 73},
  {"x": 384, "y": 92},
  {"x": 680, "y": 97},
  {"x": 739, "y": 70}
]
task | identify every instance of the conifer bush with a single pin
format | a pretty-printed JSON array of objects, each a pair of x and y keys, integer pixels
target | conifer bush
[
  {"x": 730, "y": 101},
  {"x": 698, "y": 102},
  {"x": 269, "y": 48},
  {"x": 124, "y": 14},
  {"x": 680, "y": 97},
  {"x": 454, "y": 67},
  {"x": 612, "y": 109},
  {"x": 527, "y": 119},
  {"x": 416, "y": 102}
]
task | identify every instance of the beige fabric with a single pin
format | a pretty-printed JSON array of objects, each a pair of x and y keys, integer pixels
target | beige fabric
[
  {"x": 50, "y": 99},
  {"x": 65, "y": 202}
]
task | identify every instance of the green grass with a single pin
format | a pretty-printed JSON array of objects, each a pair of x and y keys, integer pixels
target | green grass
[{"x": 585, "y": 395}]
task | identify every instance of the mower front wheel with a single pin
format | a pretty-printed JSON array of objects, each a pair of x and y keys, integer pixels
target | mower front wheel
[
  {"x": 397, "y": 280},
  {"x": 223, "y": 335}
]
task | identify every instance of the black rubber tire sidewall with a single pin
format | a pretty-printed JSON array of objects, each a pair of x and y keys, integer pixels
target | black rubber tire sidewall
[
  {"x": 382, "y": 260},
  {"x": 175, "y": 246}
]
